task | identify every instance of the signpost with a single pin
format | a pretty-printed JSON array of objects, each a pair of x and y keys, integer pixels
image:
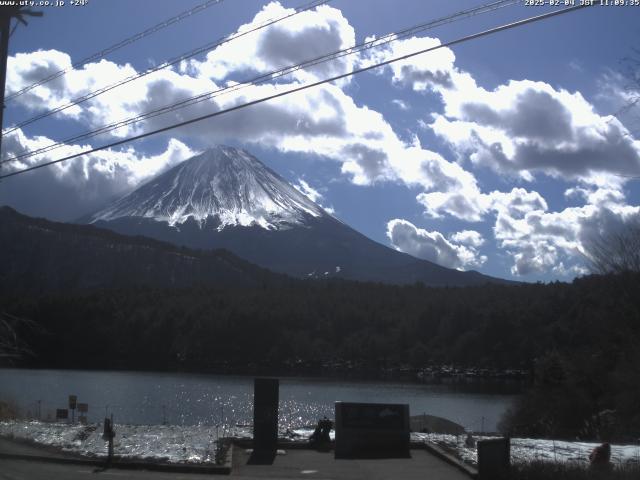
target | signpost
[
  {"x": 107, "y": 435},
  {"x": 62, "y": 414},
  {"x": 83, "y": 408},
  {"x": 73, "y": 401}
]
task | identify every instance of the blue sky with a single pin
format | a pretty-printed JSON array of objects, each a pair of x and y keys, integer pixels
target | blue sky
[{"x": 498, "y": 155}]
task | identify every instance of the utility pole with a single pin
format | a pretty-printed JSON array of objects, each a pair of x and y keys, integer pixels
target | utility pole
[{"x": 7, "y": 13}]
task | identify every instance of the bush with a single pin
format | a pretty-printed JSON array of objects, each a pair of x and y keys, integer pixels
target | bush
[{"x": 8, "y": 410}]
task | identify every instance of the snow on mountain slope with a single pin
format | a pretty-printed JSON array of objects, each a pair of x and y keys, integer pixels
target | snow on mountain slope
[
  {"x": 226, "y": 198},
  {"x": 224, "y": 182}
]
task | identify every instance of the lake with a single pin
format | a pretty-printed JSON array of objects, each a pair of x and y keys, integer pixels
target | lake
[{"x": 149, "y": 398}]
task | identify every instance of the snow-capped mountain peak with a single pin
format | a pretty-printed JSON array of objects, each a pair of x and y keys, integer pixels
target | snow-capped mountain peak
[{"x": 224, "y": 183}]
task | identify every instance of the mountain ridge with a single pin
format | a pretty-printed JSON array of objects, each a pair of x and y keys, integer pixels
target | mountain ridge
[
  {"x": 262, "y": 218},
  {"x": 42, "y": 255}
]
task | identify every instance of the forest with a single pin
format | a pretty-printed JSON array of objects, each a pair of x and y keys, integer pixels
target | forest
[{"x": 578, "y": 340}]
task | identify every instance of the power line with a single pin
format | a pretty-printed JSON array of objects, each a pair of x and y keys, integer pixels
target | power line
[
  {"x": 271, "y": 75},
  {"x": 203, "y": 49},
  {"x": 123, "y": 43},
  {"x": 386, "y": 39},
  {"x": 305, "y": 87}
]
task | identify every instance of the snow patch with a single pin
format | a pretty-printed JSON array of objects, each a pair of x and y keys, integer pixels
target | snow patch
[
  {"x": 197, "y": 443},
  {"x": 530, "y": 449},
  {"x": 222, "y": 183},
  {"x": 168, "y": 443}
]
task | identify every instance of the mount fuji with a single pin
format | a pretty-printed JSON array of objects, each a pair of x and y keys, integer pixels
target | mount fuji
[
  {"x": 226, "y": 185},
  {"x": 227, "y": 198}
]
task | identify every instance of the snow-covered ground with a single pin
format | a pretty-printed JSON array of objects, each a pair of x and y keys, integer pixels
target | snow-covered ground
[
  {"x": 197, "y": 443},
  {"x": 528, "y": 449},
  {"x": 170, "y": 443}
]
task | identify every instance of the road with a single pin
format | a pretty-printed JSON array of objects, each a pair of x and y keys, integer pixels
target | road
[
  {"x": 29, "y": 470},
  {"x": 293, "y": 464},
  {"x": 309, "y": 464}
]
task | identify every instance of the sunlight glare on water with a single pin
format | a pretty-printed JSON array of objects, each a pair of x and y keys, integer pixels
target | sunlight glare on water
[{"x": 143, "y": 398}]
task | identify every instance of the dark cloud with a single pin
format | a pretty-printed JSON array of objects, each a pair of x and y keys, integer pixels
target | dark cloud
[
  {"x": 41, "y": 193},
  {"x": 540, "y": 130},
  {"x": 31, "y": 68},
  {"x": 413, "y": 75},
  {"x": 69, "y": 190},
  {"x": 280, "y": 47},
  {"x": 603, "y": 223},
  {"x": 373, "y": 163},
  {"x": 534, "y": 114},
  {"x": 25, "y": 69},
  {"x": 610, "y": 150}
]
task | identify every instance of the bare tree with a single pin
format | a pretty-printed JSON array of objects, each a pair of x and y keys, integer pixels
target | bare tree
[
  {"x": 12, "y": 346},
  {"x": 615, "y": 251},
  {"x": 631, "y": 72},
  {"x": 618, "y": 251}
]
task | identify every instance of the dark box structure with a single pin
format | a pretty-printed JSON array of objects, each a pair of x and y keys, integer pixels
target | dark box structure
[
  {"x": 265, "y": 415},
  {"x": 494, "y": 459},
  {"x": 372, "y": 430}
]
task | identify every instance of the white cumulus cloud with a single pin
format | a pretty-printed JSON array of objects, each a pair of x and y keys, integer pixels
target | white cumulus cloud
[
  {"x": 434, "y": 247},
  {"x": 68, "y": 190}
]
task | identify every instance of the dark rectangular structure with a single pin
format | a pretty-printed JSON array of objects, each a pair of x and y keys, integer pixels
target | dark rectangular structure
[
  {"x": 494, "y": 459},
  {"x": 372, "y": 430},
  {"x": 265, "y": 414}
]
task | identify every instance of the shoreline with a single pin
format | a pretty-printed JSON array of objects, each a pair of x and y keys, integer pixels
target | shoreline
[{"x": 444, "y": 374}]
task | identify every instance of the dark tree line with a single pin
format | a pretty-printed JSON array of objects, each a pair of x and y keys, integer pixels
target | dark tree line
[{"x": 580, "y": 340}]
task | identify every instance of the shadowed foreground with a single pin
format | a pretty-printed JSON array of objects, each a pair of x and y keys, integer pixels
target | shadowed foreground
[
  {"x": 566, "y": 471},
  {"x": 313, "y": 464},
  {"x": 294, "y": 463}
]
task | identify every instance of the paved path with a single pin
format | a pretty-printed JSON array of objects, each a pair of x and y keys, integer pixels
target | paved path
[
  {"x": 29, "y": 470},
  {"x": 294, "y": 464},
  {"x": 309, "y": 464},
  {"x": 23, "y": 448}
]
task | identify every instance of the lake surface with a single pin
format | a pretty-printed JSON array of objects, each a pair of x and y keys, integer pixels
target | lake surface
[{"x": 199, "y": 399}]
